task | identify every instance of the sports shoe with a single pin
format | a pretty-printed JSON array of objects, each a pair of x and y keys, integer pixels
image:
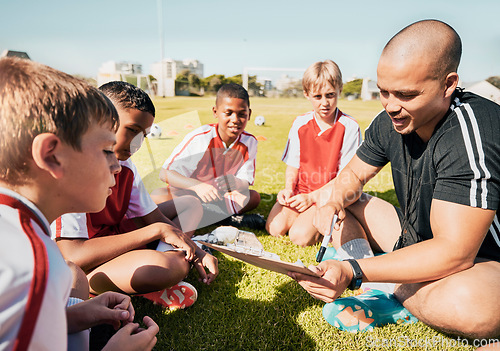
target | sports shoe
[
  {"x": 371, "y": 309},
  {"x": 249, "y": 220},
  {"x": 181, "y": 295}
]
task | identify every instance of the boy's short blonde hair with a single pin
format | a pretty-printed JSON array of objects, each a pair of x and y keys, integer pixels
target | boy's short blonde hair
[
  {"x": 36, "y": 99},
  {"x": 320, "y": 73}
]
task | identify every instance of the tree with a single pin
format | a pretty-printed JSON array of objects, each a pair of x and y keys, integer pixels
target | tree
[
  {"x": 495, "y": 80},
  {"x": 353, "y": 87}
]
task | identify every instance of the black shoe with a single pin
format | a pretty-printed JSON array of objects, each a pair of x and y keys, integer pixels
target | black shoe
[{"x": 250, "y": 220}]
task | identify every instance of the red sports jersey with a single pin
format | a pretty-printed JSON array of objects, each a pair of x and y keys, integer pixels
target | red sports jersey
[
  {"x": 319, "y": 154},
  {"x": 129, "y": 199},
  {"x": 203, "y": 155}
]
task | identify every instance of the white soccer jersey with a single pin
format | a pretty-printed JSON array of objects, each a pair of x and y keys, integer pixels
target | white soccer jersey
[
  {"x": 204, "y": 156},
  {"x": 35, "y": 281},
  {"x": 129, "y": 199}
]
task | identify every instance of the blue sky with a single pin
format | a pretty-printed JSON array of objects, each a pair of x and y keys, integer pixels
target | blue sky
[{"x": 225, "y": 35}]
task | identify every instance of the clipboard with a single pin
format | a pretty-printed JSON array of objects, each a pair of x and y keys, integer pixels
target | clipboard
[{"x": 263, "y": 262}]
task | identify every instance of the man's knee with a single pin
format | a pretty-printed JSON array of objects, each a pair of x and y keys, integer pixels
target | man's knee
[{"x": 458, "y": 309}]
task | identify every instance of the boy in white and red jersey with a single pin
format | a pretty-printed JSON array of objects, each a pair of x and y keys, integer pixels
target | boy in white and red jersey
[
  {"x": 320, "y": 144},
  {"x": 56, "y": 137},
  {"x": 216, "y": 162},
  {"x": 111, "y": 245}
]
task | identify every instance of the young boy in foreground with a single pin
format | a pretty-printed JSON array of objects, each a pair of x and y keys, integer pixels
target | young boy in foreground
[
  {"x": 110, "y": 246},
  {"x": 320, "y": 144},
  {"x": 56, "y": 137},
  {"x": 216, "y": 163}
]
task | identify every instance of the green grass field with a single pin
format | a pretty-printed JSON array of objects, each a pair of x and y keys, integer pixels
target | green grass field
[{"x": 248, "y": 308}]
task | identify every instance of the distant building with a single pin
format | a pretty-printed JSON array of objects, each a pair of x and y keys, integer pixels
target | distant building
[
  {"x": 369, "y": 90},
  {"x": 484, "y": 89},
  {"x": 167, "y": 70},
  {"x": 12, "y": 53},
  {"x": 286, "y": 82},
  {"x": 122, "y": 71}
]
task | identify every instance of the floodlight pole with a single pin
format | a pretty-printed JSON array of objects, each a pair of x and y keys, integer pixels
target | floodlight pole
[{"x": 160, "y": 24}]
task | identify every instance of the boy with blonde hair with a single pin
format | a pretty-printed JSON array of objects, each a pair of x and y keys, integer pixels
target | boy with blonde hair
[
  {"x": 320, "y": 144},
  {"x": 56, "y": 136}
]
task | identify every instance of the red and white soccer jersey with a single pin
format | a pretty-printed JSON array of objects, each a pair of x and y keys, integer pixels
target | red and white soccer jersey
[
  {"x": 204, "y": 156},
  {"x": 35, "y": 281},
  {"x": 320, "y": 154},
  {"x": 128, "y": 200}
]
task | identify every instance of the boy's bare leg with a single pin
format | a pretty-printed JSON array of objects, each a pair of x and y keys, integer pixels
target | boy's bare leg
[
  {"x": 185, "y": 211},
  {"x": 139, "y": 272},
  {"x": 371, "y": 218},
  {"x": 280, "y": 220},
  {"x": 463, "y": 303},
  {"x": 247, "y": 201},
  {"x": 302, "y": 232}
]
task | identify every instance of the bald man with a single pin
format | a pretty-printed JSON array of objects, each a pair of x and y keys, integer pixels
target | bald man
[{"x": 442, "y": 246}]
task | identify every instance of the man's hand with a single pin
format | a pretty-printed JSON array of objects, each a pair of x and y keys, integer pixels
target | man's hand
[
  {"x": 205, "y": 260},
  {"x": 284, "y": 196},
  {"x": 206, "y": 192},
  {"x": 335, "y": 277},
  {"x": 174, "y": 236},
  {"x": 133, "y": 338},
  {"x": 301, "y": 202},
  {"x": 324, "y": 216}
]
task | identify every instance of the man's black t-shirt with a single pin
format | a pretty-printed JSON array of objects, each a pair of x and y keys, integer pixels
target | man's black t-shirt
[{"x": 460, "y": 163}]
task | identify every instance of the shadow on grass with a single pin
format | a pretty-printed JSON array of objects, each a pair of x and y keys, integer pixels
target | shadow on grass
[{"x": 222, "y": 320}]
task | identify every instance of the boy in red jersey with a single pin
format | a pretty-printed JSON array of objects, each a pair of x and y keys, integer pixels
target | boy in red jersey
[
  {"x": 110, "y": 246},
  {"x": 320, "y": 144},
  {"x": 55, "y": 131},
  {"x": 216, "y": 163}
]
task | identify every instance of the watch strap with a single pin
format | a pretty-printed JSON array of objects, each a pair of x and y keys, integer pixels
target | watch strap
[{"x": 357, "y": 277}]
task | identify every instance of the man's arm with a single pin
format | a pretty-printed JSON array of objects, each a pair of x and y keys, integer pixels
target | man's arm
[
  {"x": 340, "y": 192},
  {"x": 458, "y": 233}
]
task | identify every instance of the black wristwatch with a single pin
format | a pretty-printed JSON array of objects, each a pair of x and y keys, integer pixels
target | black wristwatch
[{"x": 357, "y": 274}]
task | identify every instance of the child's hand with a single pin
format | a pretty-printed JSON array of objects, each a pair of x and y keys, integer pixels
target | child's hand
[
  {"x": 204, "y": 260},
  {"x": 133, "y": 338},
  {"x": 226, "y": 183},
  {"x": 206, "y": 192},
  {"x": 110, "y": 308},
  {"x": 174, "y": 236},
  {"x": 284, "y": 196},
  {"x": 300, "y": 202}
]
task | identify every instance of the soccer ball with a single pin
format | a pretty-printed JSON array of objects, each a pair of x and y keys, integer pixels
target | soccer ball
[
  {"x": 260, "y": 120},
  {"x": 155, "y": 131}
]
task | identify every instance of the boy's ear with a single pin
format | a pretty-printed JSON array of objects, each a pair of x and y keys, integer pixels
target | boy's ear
[
  {"x": 249, "y": 113},
  {"x": 305, "y": 94},
  {"x": 46, "y": 150},
  {"x": 214, "y": 111}
]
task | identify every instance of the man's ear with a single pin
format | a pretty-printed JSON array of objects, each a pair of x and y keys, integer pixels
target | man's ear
[
  {"x": 451, "y": 83},
  {"x": 46, "y": 149}
]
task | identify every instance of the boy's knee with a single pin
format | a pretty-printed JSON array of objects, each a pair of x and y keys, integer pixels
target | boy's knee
[
  {"x": 300, "y": 237},
  {"x": 275, "y": 228},
  {"x": 80, "y": 286}
]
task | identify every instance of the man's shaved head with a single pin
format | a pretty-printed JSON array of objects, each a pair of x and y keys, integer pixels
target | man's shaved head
[{"x": 431, "y": 40}]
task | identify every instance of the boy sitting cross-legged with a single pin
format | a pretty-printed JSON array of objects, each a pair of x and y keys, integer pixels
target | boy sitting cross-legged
[{"x": 216, "y": 163}]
